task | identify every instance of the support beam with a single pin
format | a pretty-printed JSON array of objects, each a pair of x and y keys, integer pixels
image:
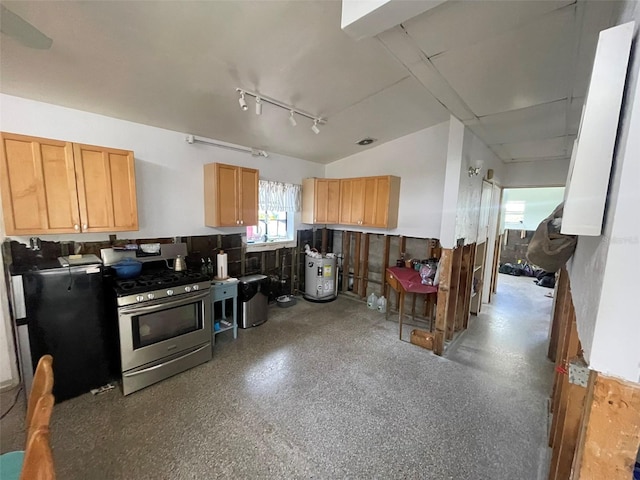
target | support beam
[
  {"x": 323, "y": 248},
  {"x": 356, "y": 264},
  {"x": 346, "y": 252},
  {"x": 385, "y": 264},
  {"x": 443, "y": 301},
  {"x": 454, "y": 281},
  {"x": 365, "y": 266}
]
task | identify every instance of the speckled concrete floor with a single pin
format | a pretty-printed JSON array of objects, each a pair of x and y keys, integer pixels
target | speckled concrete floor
[{"x": 328, "y": 391}]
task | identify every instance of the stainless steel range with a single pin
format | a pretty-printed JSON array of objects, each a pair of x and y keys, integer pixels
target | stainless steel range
[{"x": 164, "y": 320}]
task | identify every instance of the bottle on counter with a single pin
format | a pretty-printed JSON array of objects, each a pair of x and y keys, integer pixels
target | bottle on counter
[{"x": 210, "y": 267}]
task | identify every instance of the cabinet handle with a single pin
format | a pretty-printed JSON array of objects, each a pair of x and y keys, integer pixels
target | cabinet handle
[
  {"x": 84, "y": 226},
  {"x": 237, "y": 222},
  {"x": 241, "y": 222},
  {"x": 76, "y": 227}
]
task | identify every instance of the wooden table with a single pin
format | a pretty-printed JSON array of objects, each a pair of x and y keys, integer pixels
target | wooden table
[{"x": 407, "y": 280}]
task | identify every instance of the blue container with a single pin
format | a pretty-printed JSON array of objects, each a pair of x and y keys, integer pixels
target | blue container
[{"x": 128, "y": 268}]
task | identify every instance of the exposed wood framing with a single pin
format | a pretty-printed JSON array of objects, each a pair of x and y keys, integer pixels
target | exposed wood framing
[
  {"x": 365, "y": 266},
  {"x": 494, "y": 269},
  {"x": 610, "y": 432},
  {"x": 559, "y": 295},
  {"x": 454, "y": 282},
  {"x": 323, "y": 248},
  {"x": 467, "y": 308},
  {"x": 568, "y": 399},
  {"x": 385, "y": 264},
  {"x": 346, "y": 252},
  {"x": 443, "y": 301},
  {"x": 464, "y": 289},
  {"x": 356, "y": 264}
]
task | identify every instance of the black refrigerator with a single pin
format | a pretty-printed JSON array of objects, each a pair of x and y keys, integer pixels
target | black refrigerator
[{"x": 61, "y": 311}]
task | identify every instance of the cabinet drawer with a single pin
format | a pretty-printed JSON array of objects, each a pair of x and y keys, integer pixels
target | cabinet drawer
[
  {"x": 392, "y": 281},
  {"x": 222, "y": 291}
]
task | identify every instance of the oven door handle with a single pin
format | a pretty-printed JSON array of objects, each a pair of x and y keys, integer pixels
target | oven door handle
[
  {"x": 164, "y": 364},
  {"x": 164, "y": 305}
]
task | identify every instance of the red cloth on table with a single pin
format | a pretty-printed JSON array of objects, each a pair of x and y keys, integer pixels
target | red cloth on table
[{"x": 411, "y": 281}]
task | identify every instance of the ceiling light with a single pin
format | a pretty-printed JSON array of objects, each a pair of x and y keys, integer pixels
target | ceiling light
[
  {"x": 366, "y": 141},
  {"x": 243, "y": 103},
  {"x": 293, "y": 111}
]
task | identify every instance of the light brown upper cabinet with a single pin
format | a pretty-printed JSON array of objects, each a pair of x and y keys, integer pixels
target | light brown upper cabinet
[
  {"x": 370, "y": 201},
  {"x": 230, "y": 195},
  {"x": 320, "y": 200},
  {"x": 51, "y": 187}
]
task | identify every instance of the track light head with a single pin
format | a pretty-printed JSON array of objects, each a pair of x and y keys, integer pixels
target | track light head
[
  {"x": 258, "y": 106},
  {"x": 242, "y": 102},
  {"x": 292, "y": 119},
  {"x": 314, "y": 127}
]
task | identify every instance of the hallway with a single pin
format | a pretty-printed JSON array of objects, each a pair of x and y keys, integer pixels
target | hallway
[{"x": 327, "y": 391}]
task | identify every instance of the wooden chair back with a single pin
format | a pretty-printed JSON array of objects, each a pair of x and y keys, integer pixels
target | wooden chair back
[
  {"x": 42, "y": 385},
  {"x": 41, "y": 414},
  {"x": 38, "y": 458}
]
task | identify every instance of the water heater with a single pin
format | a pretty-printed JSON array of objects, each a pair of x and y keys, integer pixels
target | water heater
[{"x": 320, "y": 279}]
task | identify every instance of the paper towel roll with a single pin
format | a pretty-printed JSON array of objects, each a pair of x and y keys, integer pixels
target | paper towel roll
[{"x": 221, "y": 265}]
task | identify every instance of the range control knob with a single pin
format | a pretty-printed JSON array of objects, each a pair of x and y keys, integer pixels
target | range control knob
[
  {"x": 139, "y": 298},
  {"x": 169, "y": 292},
  {"x": 187, "y": 289},
  {"x": 196, "y": 287},
  {"x": 150, "y": 296}
]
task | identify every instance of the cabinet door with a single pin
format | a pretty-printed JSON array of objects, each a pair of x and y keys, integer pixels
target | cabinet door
[
  {"x": 381, "y": 214},
  {"x": 227, "y": 196},
  {"x": 248, "y": 214},
  {"x": 327, "y": 201},
  {"x": 106, "y": 188},
  {"x": 370, "y": 196},
  {"x": 346, "y": 201},
  {"x": 38, "y": 186}
]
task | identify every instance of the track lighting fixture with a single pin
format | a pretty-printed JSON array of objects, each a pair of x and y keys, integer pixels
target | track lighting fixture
[
  {"x": 260, "y": 99},
  {"x": 242, "y": 101}
]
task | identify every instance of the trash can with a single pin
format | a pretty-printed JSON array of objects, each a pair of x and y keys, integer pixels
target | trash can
[{"x": 252, "y": 300}]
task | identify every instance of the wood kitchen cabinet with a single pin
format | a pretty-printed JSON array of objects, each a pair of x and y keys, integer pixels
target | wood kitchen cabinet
[
  {"x": 370, "y": 201},
  {"x": 230, "y": 195},
  {"x": 320, "y": 200},
  {"x": 51, "y": 187}
]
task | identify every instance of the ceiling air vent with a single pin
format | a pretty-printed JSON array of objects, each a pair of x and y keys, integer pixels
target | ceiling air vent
[{"x": 366, "y": 141}]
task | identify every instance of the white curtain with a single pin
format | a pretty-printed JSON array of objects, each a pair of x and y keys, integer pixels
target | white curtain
[{"x": 279, "y": 197}]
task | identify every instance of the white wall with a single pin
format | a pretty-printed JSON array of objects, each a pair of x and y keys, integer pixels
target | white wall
[
  {"x": 168, "y": 177},
  {"x": 461, "y": 204},
  {"x": 474, "y": 150},
  {"x": 168, "y": 169},
  {"x": 541, "y": 173},
  {"x": 604, "y": 269},
  {"x": 539, "y": 203},
  {"x": 419, "y": 160}
]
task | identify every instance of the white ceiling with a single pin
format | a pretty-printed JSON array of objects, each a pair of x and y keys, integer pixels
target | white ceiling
[{"x": 515, "y": 72}]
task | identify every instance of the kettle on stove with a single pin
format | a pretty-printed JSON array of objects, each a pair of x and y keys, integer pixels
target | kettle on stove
[{"x": 179, "y": 265}]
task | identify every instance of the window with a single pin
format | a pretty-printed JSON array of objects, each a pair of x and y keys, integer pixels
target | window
[
  {"x": 277, "y": 203},
  {"x": 514, "y": 212},
  {"x": 272, "y": 227}
]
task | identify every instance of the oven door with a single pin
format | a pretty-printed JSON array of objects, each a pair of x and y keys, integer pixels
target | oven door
[{"x": 163, "y": 328}]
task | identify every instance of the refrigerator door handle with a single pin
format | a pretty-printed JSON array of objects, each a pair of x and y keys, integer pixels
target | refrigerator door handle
[{"x": 17, "y": 294}]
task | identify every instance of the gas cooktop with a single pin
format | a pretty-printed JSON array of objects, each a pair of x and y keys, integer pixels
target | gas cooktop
[{"x": 157, "y": 280}]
